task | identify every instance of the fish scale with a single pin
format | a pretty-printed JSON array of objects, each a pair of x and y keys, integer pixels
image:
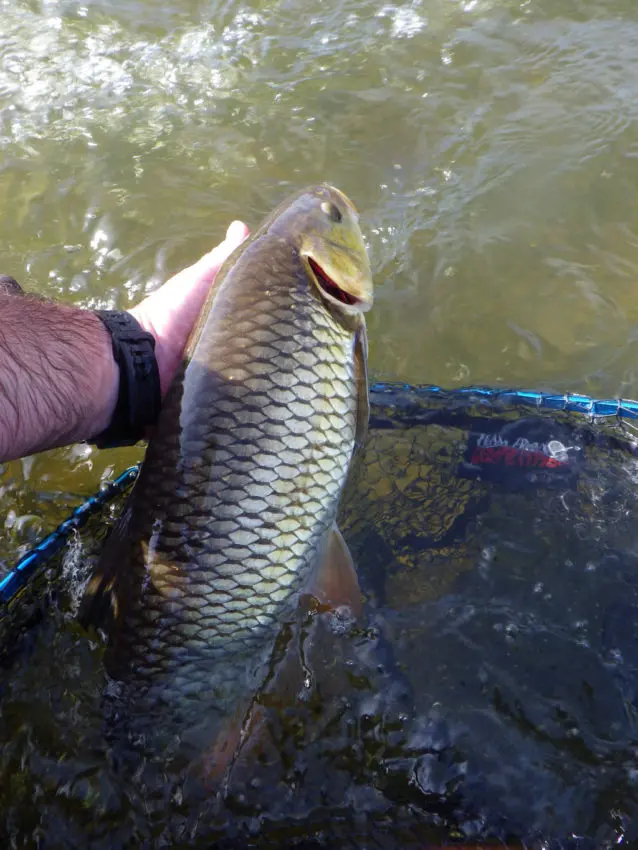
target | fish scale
[{"x": 241, "y": 481}]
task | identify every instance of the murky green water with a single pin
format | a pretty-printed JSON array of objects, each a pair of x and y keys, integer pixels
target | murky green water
[{"x": 490, "y": 146}]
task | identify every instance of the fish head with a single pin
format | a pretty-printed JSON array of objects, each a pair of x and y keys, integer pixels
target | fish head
[{"x": 322, "y": 225}]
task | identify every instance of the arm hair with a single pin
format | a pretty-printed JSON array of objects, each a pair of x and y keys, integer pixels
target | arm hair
[{"x": 58, "y": 378}]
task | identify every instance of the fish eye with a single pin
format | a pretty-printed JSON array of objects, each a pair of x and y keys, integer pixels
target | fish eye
[{"x": 331, "y": 210}]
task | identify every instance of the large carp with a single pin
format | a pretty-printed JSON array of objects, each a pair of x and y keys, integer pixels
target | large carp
[{"x": 233, "y": 514}]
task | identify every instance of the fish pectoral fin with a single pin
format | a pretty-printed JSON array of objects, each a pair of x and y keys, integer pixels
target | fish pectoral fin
[
  {"x": 98, "y": 608},
  {"x": 335, "y": 582},
  {"x": 218, "y": 760},
  {"x": 361, "y": 377}
]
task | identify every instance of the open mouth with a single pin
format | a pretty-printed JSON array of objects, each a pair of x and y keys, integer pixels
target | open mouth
[{"x": 330, "y": 287}]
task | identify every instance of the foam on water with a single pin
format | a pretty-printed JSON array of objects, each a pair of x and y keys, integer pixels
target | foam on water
[{"x": 90, "y": 80}]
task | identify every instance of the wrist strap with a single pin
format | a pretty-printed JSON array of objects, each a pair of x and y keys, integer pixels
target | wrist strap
[{"x": 139, "y": 398}]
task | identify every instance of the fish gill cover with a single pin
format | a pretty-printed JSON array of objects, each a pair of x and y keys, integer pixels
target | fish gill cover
[{"x": 487, "y": 694}]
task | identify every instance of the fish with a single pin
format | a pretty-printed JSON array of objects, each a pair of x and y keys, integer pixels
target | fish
[{"x": 232, "y": 518}]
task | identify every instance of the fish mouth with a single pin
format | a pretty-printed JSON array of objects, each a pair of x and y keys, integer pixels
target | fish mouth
[{"x": 330, "y": 288}]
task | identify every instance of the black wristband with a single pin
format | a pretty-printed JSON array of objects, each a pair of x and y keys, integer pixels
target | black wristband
[{"x": 139, "y": 397}]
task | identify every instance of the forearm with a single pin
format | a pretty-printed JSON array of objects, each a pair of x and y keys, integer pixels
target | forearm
[{"x": 58, "y": 379}]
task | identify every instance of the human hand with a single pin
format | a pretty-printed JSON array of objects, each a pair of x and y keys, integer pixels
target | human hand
[{"x": 171, "y": 312}]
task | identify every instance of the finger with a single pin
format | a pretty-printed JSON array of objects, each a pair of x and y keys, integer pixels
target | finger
[
  {"x": 235, "y": 235},
  {"x": 236, "y": 232}
]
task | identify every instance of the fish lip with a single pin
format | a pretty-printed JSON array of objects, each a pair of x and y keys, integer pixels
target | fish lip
[{"x": 358, "y": 304}]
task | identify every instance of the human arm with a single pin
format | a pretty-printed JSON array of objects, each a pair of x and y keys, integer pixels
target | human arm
[{"x": 58, "y": 379}]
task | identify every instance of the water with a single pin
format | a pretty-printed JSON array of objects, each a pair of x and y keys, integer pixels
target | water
[{"x": 490, "y": 146}]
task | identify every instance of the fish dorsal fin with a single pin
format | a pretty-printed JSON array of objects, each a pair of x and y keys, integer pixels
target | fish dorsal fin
[
  {"x": 98, "y": 608},
  {"x": 335, "y": 582},
  {"x": 361, "y": 377}
]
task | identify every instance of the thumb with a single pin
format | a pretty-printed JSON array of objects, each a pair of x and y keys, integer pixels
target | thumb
[{"x": 235, "y": 235}]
